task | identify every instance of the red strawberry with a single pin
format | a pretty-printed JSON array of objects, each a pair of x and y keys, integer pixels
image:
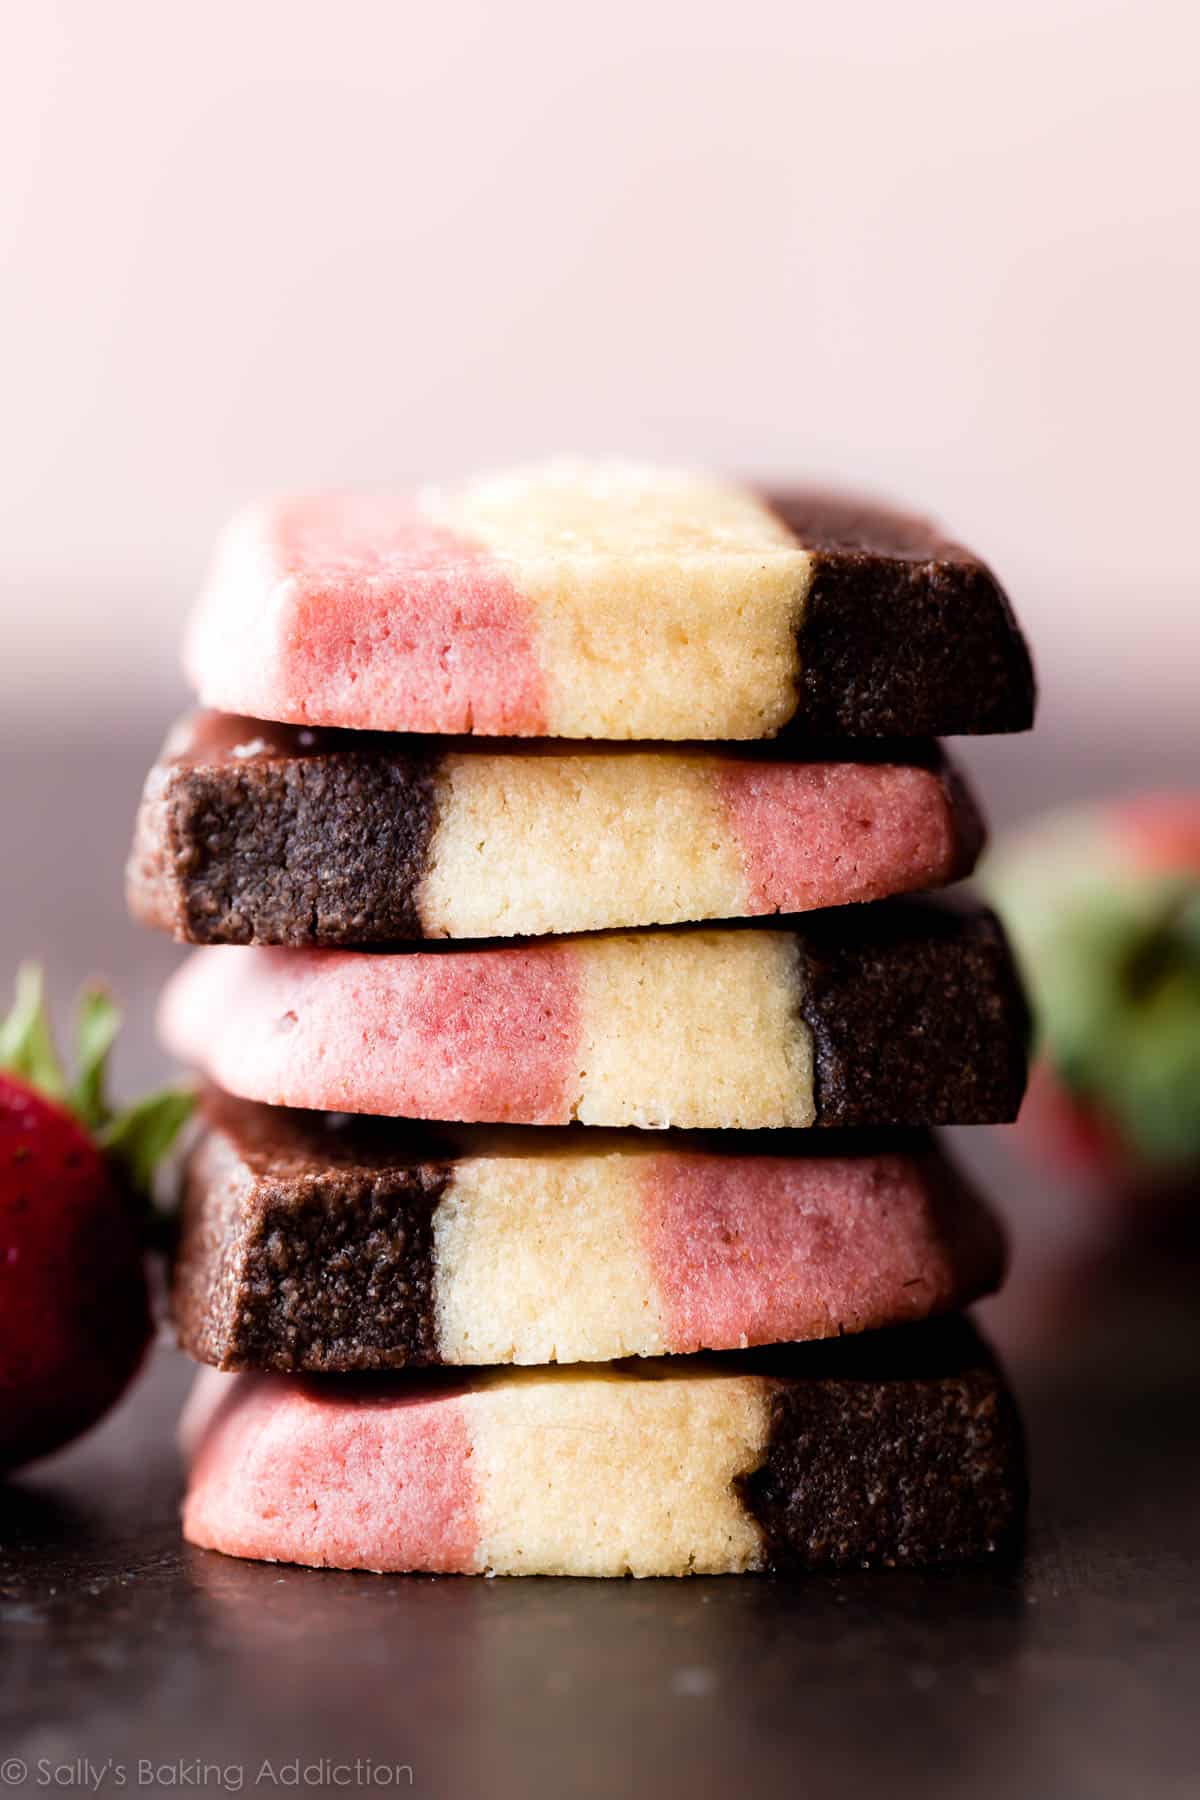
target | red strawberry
[{"x": 74, "y": 1180}]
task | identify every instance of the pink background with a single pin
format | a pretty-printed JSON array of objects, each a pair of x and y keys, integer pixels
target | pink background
[{"x": 947, "y": 251}]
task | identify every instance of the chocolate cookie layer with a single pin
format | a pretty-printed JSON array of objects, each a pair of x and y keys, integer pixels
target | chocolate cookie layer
[
  {"x": 898, "y": 1447},
  {"x": 303, "y": 1244},
  {"x": 274, "y": 834},
  {"x": 914, "y": 1009},
  {"x": 311, "y": 1243},
  {"x": 257, "y": 833},
  {"x": 904, "y": 632},
  {"x": 901, "y": 1449},
  {"x": 905, "y": 1013}
]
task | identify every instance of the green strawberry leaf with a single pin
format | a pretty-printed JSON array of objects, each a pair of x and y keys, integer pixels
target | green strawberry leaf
[
  {"x": 1154, "y": 1081},
  {"x": 1169, "y": 938},
  {"x": 138, "y": 1138},
  {"x": 27, "y": 1048},
  {"x": 99, "y": 1022}
]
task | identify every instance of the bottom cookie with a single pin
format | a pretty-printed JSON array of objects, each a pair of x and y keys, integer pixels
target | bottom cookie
[{"x": 895, "y": 1448}]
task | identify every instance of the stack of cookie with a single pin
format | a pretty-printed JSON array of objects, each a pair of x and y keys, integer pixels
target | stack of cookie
[{"x": 648, "y": 1158}]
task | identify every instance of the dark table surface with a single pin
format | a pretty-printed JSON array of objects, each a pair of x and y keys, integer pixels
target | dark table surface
[{"x": 130, "y": 1660}]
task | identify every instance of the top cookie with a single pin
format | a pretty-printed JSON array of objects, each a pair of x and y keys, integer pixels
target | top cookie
[{"x": 606, "y": 601}]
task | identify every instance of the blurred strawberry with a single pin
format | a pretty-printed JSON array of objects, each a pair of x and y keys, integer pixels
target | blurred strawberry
[
  {"x": 1162, "y": 831},
  {"x": 1103, "y": 905},
  {"x": 75, "y": 1212}
]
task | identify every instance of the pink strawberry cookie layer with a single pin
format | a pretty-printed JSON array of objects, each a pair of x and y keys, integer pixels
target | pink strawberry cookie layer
[
  {"x": 763, "y": 1250},
  {"x": 467, "y": 1035},
  {"x": 814, "y": 835},
  {"x": 696, "y": 1028},
  {"x": 293, "y": 1472},
  {"x": 363, "y": 612}
]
